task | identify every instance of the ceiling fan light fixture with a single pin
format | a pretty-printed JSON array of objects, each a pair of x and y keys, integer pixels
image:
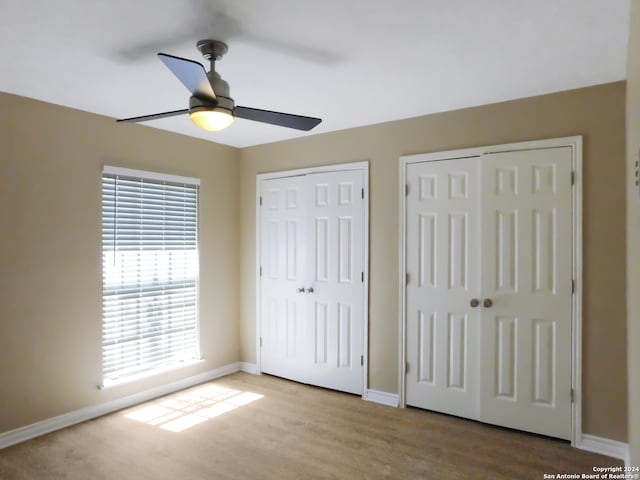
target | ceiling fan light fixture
[{"x": 211, "y": 119}]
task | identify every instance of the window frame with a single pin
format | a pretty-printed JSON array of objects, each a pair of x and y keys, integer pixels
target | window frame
[{"x": 155, "y": 177}]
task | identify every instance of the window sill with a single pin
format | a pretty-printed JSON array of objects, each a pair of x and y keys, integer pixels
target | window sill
[{"x": 107, "y": 384}]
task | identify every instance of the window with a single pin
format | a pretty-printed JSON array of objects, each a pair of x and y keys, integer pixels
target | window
[{"x": 149, "y": 272}]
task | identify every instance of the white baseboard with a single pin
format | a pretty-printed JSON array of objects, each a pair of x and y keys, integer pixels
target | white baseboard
[
  {"x": 66, "y": 420},
  {"x": 604, "y": 446},
  {"x": 384, "y": 398},
  {"x": 247, "y": 367}
]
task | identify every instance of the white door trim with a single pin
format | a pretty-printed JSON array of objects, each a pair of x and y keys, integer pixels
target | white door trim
[
  {"x": 576, "y": 197},
  {"x": 364, "y": 168}
]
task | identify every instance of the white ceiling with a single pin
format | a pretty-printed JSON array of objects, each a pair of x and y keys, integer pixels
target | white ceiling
[{"x": 350, "y": 62}]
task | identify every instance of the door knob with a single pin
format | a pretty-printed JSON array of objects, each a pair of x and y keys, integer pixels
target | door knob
[
  {"x": 487, "y": 303},
  {"x": 474, "y": 302},
  {"x": 309, "y": 290},
  {"x": 300, "y": 290}
]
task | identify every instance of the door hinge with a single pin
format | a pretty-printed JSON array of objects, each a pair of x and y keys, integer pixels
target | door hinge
[
  {"x": 260, "y": 200},
  {"x": 406, "y": 279},
  {"x": 406, "y": 190},
  {"x": 573, "y": 396},
  {"x": 260, "y": 342},
  {"x": 260, "y": 270},
  {"x": 362, "y": 193},
  {"x": 362, "y": 276},
  {"x": 573, "y": 178},
  {"x": 361, "y": 360},
  {"x": 573, "y": 286},
  {"x": 406, "y": 367}
]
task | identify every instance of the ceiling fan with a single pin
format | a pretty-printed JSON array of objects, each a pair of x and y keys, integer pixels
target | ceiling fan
[{"x": 210, "y": 105}]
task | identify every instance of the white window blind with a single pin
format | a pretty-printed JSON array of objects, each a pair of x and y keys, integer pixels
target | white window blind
[{"x": 149, "y": 272}]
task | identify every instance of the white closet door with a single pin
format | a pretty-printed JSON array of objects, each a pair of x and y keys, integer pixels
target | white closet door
[
  {"x": 284, "y": 330},
  {"x": 335, "y": 274},
  {"x": 442, "y": 328},
  {"x": 526, "y": 275},
  {"x": 312, "y": 289}
]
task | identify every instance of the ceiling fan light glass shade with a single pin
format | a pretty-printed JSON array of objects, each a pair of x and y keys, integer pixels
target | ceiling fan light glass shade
[{"x": 212, "y": 119}]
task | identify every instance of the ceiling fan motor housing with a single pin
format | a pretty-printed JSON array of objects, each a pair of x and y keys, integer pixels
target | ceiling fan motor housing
[
  {"x": 196, "y": 104},
  {"x": 223, "y": 97},
  {"x": 220, "y": 87}
]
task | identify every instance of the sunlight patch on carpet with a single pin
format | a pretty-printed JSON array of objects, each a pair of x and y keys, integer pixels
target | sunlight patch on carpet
[{"x": 183, "y": 411}]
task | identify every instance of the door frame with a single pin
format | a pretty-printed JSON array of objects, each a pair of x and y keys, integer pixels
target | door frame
[
  {"x": 575, "y": 143},
  {"x": 362, "y": 166}
]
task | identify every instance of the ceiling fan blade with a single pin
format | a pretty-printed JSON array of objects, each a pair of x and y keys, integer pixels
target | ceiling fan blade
[
  {"x": 276, "y": 118},
  {"x": 192, "y": 75},
  {"x": 154, "y": 116}
]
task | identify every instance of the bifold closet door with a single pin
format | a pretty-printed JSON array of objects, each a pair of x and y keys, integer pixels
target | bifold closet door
[
  {"x": 443, "y": 265},
  {"x": 526, "y": 275},
  {"x": 335, "y": 271},
  {"x": 312, "y": 283},
  {"x": 488, "y": 298},
  {"x": 282, "y": 251}
]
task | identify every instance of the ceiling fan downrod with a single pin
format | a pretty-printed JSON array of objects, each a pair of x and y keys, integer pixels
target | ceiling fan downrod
[{"x": 212, "y": 50}]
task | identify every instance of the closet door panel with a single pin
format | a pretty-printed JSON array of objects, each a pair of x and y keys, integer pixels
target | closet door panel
[
  {"x": 283, "y": 306},
  {"x": 443, "y": 277},
  {"x": 526, "y": 273},
  {"x": 335, "y": 263}
]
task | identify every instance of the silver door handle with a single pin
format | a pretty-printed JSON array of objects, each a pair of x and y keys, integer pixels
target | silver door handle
[
  {"x": 474, "y": 302},
  {"x": 487, "y": 303},
  {"x": 310, "y": 290},
  {"x": 300, "y": 290}
]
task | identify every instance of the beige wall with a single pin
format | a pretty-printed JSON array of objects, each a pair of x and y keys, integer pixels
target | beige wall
[
  {"x": 633, "y": 231},
  {"x": 50, "y": 274},
  {"x": 50, "y": 240},
  {"x": 597, "y": 113}
]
